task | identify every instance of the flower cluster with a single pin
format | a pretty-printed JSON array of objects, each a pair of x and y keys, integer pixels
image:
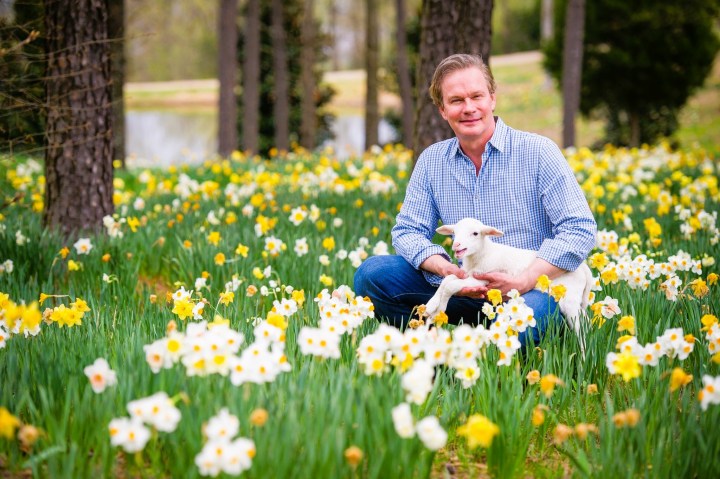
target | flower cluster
[
  {"x": 223, "y": 452},
  {"x": 712, "y": 335},
  {"x": 27, "y": 319},
  {"x": 428, "y": 429},
  {"x": 341, "y": 312},
  {"x": 673, "y": 343},
  {"x": 131, "y": 433}
]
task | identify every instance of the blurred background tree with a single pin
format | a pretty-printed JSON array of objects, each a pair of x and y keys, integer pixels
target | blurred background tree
[
  {"x": 293, "y": 18},
  {"x": 641, "y": 62},
  {"x": 22, "y": 69}
]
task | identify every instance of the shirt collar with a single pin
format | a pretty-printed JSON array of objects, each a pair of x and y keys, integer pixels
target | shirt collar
[{"x": 500, "y": 137}]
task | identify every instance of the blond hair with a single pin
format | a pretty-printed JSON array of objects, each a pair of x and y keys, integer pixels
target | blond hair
[{"x": 453, "y": 63}]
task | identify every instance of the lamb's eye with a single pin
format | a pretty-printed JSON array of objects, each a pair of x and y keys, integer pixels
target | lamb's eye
[{"x": 475, "y": 233}]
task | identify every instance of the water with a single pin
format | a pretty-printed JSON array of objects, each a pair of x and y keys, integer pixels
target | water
[{"x": 160, "y": 138}]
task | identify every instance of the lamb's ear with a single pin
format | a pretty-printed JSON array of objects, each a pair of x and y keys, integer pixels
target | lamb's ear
[
  {"x": 446, "y": 230},
  {"x": 490, "y": 231}
]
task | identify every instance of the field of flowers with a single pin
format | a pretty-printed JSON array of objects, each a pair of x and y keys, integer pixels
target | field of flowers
[{"x": 213, "y": 330}]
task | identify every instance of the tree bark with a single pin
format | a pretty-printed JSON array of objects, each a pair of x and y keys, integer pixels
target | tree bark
[
  {"x": 78, "y": 157},
  {"x": 281, "y": 106},
  {"x": 227, "y": 74},
  {"x": 308, "y": 123},
  {"x": 251, "y": 79},
  {"x": 116, "y": 34},
  {"x": 447, "y": 27},
  {"x": 403, "y": 75},
  {"x": 372, "y": 114},
  {"x": 572, "y": 67}
]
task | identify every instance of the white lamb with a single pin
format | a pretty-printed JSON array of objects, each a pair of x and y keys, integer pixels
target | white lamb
[{"x": 481, "y": 255}]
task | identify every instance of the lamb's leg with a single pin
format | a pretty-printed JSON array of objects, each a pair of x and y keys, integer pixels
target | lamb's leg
[
  {"x": 440, "y": 299},
  {"x": 450, "y": 285},
  {"x": 570, "y": 307}
]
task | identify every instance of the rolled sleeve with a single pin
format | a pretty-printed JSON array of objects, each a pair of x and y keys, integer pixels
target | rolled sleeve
[
  {"x": 574, "y": 227},
  {"x": 416, "y": 222}
]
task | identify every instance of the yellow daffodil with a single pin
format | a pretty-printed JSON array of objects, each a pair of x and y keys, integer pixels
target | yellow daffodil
[
  {"x": 678, "y": 379},
  {"x": 495, "y": 296},
  {"x": 538, "y": 415},
  {"x": 8, "y": 424},
  {"x": 543, "y": 283},
  {"x": 558, "y": 291},
  {"x": 533, "y": 377},
  {"x": 214, "y": 238},
  {"x": 242, "y": 250},
  {"x": 299, "y": 296},
  {"x": 626, "y": 323},
  {"x": 227, "y": 297},
  {"x": 258, "y": 417},
  {"x": 548, "y": 383},
  {"x": 479, "y": 431},
  {"x": 328, "y": 243},
  {"x": 183, "y": 308}
]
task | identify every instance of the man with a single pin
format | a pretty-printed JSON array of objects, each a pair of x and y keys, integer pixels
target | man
[{"x": 517, "y": 182}]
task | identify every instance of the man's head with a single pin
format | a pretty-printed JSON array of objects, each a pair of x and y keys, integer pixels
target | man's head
[
  {"x": 453, "y": 63},
  {"x": 463, "y": 89}
]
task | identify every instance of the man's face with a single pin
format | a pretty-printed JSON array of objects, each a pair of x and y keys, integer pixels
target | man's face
[{"x": 468, "y": 105}]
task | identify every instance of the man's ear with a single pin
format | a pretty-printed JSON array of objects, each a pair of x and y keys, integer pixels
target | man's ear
[
  {"x": 441, "y": 110},
  {"x": 490, "y": 231},
  {"x": 446, "y": 230}
]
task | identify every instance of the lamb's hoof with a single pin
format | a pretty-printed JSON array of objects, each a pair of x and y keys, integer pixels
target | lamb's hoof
[{"x": 432, "y": 308}]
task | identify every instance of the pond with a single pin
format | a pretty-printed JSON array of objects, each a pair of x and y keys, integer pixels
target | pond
[{"x": 160, "y": 138}]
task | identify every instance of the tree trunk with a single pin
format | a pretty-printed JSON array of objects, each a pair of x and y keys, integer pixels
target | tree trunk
[
  {"x": 372, "y": 114},
  {"x": 227, "y": 74},
  {"x": 447, "y": 27},
  {"x": 572, "y": 67},
  {"x": 78, "y": 158},
  {"x": 634, "y": 129},
  {"x": 116, "y": 34},
  {"x": 307, "y": 78},
  {"x": 403, "y": 74},
  {"x": 281, "y": 106},
  {"x": 546, "y": 21},
  {"x": 251, "y": 79}
]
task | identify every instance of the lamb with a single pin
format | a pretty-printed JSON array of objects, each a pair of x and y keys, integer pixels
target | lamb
[{"x": 481, "y": 255}]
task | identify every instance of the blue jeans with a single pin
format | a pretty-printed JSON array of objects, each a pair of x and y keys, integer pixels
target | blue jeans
[{"x": 395, "y": 288}]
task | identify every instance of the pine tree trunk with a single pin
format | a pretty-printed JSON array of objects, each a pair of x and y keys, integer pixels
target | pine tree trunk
[
  {"x": 281, "y": 107},
  {"x": 307, "y": 78},
  {"x": 372, "y": 114},
  {"x": 572, "y": 67},
  {"x": 116, "y": 34},
  {"x": 78, "y": 158},
  {"x": 251, "y": 79},
  {"x": 227, "y": 74},
  {"x": 447, "y": 27},
  {"x": 403, "y": 74}
]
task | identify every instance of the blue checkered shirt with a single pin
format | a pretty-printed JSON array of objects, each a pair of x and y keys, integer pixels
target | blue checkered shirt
[{"x": 525, "y": 188}]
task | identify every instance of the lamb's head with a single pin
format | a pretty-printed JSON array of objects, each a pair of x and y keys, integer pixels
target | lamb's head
[{"x": 470, "y": 236}]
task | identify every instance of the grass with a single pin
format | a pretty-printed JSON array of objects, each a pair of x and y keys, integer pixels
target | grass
[{"x": 176, "y": 222}]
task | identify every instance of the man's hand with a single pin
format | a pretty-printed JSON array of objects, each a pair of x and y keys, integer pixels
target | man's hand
[{"x": 505, "y": 282}]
